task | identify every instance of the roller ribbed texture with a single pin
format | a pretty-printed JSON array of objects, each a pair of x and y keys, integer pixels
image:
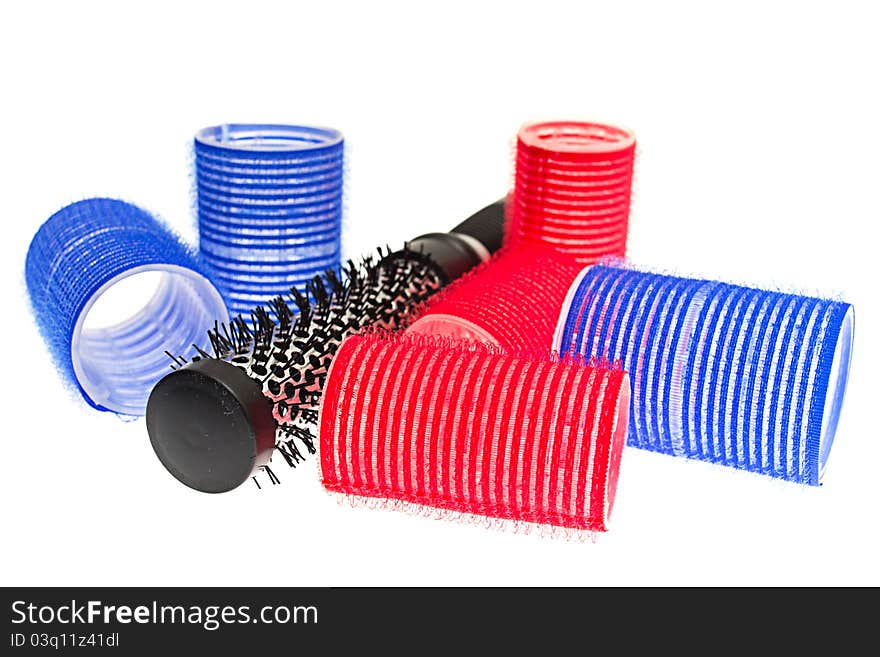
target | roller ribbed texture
[
  {"x": 573, "y": 185},
  {"x": 569, "y": 206},
  {"x": 722, "y": 373},
  {"x": 464, "y": 428},
  {"x": 512, "y": 301},
  {"x": 269, "y": 206},
  {"x": 80, "y": 251}
]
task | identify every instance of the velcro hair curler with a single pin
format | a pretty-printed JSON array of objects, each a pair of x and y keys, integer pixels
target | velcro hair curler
[
  {"x": 269, "y": 372},
  {"x": 742, "y": 377},
  {"x": 569, "y": 206},
  {"x": 81, "y": 252},
  {"x": 573, "y": 186},
  {"x": 513, "y": 301},
  {"x": 465, "y": 428},
  {"x": 269, "y": 207}
]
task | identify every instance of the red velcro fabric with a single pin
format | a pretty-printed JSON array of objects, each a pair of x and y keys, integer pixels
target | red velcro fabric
[
  {"x": 462, "y": 427},
  {"x": 512, "y": 301},
  {"x": 569, "y": 207},
  {"x": 573, "y": 186}
]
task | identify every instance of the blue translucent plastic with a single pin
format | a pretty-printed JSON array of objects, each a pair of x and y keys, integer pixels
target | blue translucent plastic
[
  {"x": 722, "y": 373},
  {"x": 269, "y": 206},
  {"x": 78, "y": 254}
]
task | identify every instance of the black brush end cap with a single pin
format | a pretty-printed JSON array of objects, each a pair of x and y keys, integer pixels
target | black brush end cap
[{"x": 210, "y": 425}]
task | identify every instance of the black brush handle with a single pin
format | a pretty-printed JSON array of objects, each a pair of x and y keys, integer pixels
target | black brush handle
[
  {"x": 486, "y": 226},
  {"x": 455, "y": 251}
]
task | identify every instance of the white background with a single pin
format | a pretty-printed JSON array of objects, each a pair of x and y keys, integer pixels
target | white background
[{"x": 758, "y": 141}]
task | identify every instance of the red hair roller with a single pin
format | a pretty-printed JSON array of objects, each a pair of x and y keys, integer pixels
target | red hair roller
[
  {"x": 572, "y": 191},
  {"x": 466, "y": 429},
  {"x": 512, "y": 301},
  {"x": 569, "y": 207}
]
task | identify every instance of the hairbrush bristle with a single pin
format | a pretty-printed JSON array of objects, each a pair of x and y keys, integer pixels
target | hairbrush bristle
[{"x": 287, "y": 346}]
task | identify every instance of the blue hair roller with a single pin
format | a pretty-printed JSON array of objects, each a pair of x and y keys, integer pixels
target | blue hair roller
[
  {"x": 269, "y": 207},
  {"x": 82, "y": 251},
  {"x": 723, "y": 373}
]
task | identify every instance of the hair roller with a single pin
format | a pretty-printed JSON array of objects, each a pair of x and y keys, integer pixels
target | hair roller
[
  {"x": 573, "y": 186},
  {"x": 82, "y": 251},
  {"x": 742, "y": 377},
  {"x": 467, "y": 429},
  {"x": 569, "y": 206},
  {"x": 269, "y": 207},
  {"x": 513, "y": 301}
]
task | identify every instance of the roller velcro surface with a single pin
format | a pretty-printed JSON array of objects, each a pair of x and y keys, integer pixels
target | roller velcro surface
[
  {"x": 573, "y": 188},
  {"x": 269, "y": 206},
  {"x": 465, "y": 428},
  {"x": 512, "y": 301},
  {"x": 569, "y": 206},
  {"x": 83, "y": 250},
  {"x": 742, "y": 377}
]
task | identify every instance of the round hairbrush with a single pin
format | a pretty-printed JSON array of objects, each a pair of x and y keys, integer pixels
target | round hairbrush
[
  {"x": 573, "y": 187},
  {"x": 257, "y": 388}
]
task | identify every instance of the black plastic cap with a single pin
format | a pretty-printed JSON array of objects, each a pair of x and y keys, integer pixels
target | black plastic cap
[
  {"x": 210, "y": 425},
  {"x": 486, "y": 226},
  {"x": 452, "y": 254},
  {"x": 466, "y": 245}
]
